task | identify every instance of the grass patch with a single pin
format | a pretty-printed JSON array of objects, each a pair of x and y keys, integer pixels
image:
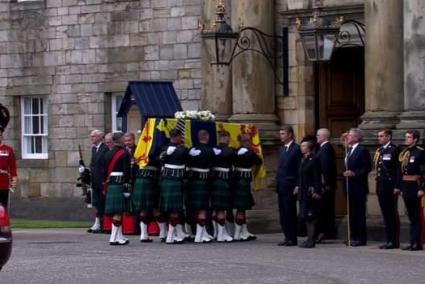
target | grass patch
[{"x": 47, "y": 224}]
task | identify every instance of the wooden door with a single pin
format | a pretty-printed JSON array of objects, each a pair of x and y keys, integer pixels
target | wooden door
[{"x": 340, "y": 93}]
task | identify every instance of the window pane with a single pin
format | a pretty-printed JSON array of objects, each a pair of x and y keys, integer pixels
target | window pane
[
  {"x": 38, "y": 144},
  {"x": 41, "y": 106},
  {"x": 118, "y": 103},
  {"x": 35, "y": 125},
  {"x": 35, "y": 106},
  {"x": 28, "y": 125},
  {"x": 119, "y": 123},
  {"x": 27, "y": 106}
]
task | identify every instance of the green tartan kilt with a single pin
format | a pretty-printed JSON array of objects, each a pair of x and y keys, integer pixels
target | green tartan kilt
[
  {"x": 242, "y": 198},
  {"x": 198, "y": 195},
  {"x": 220, "y": 195},
  {"x": 145, "y": 194},
  {"x": 171, "y": 195},
  {"x": 115, "y": 202}
]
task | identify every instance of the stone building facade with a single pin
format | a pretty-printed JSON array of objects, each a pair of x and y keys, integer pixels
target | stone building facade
[{"x": 78, "y": 55}]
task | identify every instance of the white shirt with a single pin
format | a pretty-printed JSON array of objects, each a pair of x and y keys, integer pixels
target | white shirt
[
  {"x": 323, "y": 143},
  {"x": 289, "y": 144},
  {"x": 386, "y": 145},
  {"x": 98, "y": 146}
]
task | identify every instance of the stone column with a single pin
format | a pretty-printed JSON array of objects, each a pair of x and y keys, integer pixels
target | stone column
[
  {"x": 253, "y": 78},
  {"x": 384, "y": 63},
  {"x": 217, "y": 80},
  {"x": 414, "y": 66}
]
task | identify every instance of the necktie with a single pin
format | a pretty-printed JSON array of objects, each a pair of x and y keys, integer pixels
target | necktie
[
  {"x": 286, "y": 148},
  {"x": 350, "y": 149}
]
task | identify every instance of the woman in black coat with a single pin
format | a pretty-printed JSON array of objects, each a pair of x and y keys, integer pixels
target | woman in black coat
[{"x": 309, "y": 191}]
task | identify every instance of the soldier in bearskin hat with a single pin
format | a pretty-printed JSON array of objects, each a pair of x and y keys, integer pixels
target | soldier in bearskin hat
[{"x": 8, "y": 175}]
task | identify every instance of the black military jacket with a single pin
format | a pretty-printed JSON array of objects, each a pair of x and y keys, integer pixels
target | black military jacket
[
  {"x": 122, "y": 165},
  {"x": 386, "y": 163}
]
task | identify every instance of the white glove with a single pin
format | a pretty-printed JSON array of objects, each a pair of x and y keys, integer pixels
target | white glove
[
  {"x": 171, "y": 149},
  {"x": 126, "y": 194},
  {"x": 217, "y": 151},
  {"x": 242, "y": 151},
  {"x": 81, "y": 169},
  {"x": 194, "y": 152}
]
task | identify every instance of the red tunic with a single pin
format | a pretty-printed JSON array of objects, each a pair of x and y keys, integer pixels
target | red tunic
[{"x": 7, "y": 166}]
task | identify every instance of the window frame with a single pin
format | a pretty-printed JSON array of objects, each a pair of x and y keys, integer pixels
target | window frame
[{"x": 44, "y": 141}]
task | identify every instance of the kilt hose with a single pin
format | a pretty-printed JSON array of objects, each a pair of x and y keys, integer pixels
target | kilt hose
[
  {"x": 198, "y": 195},
  {"x": 171, "y": 195},
  {"x": 242, "y": 197},
  {"x": 115, "y": 203},
  {"x": 220, "y": 195},
  {"x": 145, "y": 194}
]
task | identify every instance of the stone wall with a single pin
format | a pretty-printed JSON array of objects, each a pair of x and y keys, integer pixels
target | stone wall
[{"x": 75, "y": 52}]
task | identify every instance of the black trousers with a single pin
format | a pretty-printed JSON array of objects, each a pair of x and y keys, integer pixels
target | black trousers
[
  {"x": 4, "y": 197},
  {"x": 288, "y": 213},
  {"x": 326, "y": 218},
  {"x": 414, "y": 211},
  {"x": 357, "y": 206},
  {"x": 388, "y": 203}
]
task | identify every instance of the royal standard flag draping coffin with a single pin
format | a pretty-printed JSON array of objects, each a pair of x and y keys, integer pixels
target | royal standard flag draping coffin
[{"x": 155, "y": 135}]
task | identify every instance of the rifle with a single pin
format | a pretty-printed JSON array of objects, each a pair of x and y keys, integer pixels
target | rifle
[{"x": 84, "y": 179}]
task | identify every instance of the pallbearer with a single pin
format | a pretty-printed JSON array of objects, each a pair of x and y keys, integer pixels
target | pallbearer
[
  {"x": 199, "y": 161},
  {"x": 118, "y": 186},
  {"x": 221, "y": 195},
  {"x": 386, "y": 164},
  {"x": 411, "y": 186},
  {"x": 245, "y": 159},
  {"x": 173, "y": 160},
  {"x": 145, "y": 197}
]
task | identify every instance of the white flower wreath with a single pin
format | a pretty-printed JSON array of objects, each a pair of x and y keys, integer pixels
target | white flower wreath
[{"x": 205, "y": 115}]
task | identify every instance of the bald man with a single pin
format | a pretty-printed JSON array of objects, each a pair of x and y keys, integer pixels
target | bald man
[{"x": 326, "y": 156}]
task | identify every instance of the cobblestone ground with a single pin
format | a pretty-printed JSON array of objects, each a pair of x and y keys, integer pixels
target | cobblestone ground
[{"x": 73, "y": 256}]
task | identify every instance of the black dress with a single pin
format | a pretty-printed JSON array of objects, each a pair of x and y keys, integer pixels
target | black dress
[{"x": 309, "y": 182}]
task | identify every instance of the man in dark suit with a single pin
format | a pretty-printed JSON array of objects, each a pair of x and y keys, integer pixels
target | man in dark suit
[
  {"x": 97, "y": 169},
  {"x": 287, "y": 173},
  {"x": 326, "y": 157},
  {"x": 358, "y": 164}
]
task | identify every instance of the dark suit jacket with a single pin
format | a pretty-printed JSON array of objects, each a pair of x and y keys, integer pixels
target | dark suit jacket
[
  {"x": 98, "y": 166},
  {"x": 287, "y": 170},
  {"x": 326, "y": 157},
  {"x": 360, "y": 163}
]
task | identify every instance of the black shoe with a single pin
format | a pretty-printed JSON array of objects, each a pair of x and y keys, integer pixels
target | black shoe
[
  {"x": 358, "y": 244},
  {"x": 385, "y": 246},
  {"x": 390, "y": 246},
  {"x": 346, "y": 242},
  {"x": 290, "y": 243},
  {"x": 320, "y": 238},
  {"x": 146, "y": 241},
  {"x": 409, "y": 247},
  {"x": 282, "y": 244},
  {"x": 416, "y": 248},
  {"x": 307, "y": 245}
]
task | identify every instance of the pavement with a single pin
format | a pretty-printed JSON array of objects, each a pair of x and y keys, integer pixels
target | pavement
[{"x": 74, "y": 256}]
